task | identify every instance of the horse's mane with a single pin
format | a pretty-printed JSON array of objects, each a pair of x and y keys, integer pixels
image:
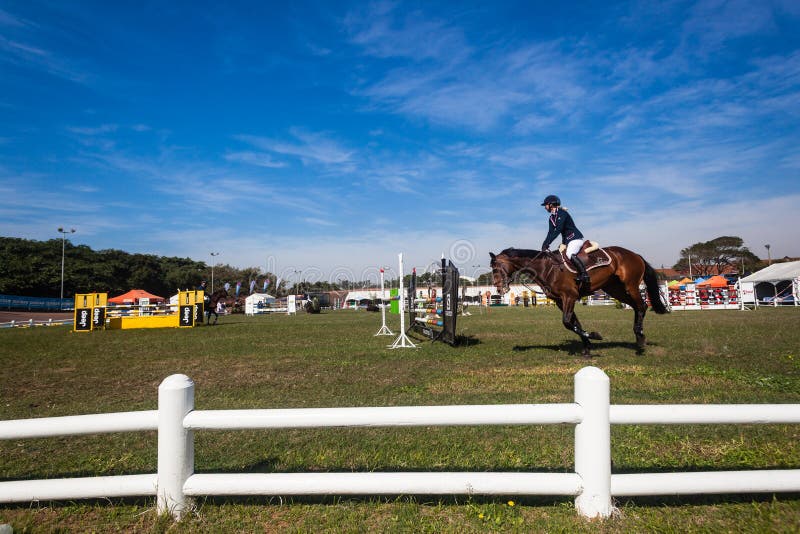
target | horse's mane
[{"x": 520, "y": 252}]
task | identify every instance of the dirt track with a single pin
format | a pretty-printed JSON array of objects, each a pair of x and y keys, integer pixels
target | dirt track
[{"x": 8, "y": 316}]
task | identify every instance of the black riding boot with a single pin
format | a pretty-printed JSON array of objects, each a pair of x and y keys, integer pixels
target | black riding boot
[{"x": 583, "y": 277}]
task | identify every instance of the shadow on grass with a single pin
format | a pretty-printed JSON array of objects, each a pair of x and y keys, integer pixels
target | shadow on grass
[
  {"x": 520, "y": 500},
  {"x": 423, "y": 500},
  {"x": 575, "y": 347},
  {"x": 467, "y": 341},
  {"x": 461, "y": 340}
]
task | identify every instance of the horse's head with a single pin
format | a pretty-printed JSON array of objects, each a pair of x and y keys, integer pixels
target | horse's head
[
  {"x": 218, "y": 295},
  {"x": 501, "y": 272}
]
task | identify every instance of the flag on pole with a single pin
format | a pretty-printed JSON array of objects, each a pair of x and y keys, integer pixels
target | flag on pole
[
  {"x": 238, "y": 288},
  {"x": 252, "y": 286},
  {"x": 227, "y": 286},
  {"x": 266, "y": 283}
]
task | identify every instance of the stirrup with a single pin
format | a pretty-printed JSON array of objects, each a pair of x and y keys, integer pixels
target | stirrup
[{"x": 583, "y": 281}]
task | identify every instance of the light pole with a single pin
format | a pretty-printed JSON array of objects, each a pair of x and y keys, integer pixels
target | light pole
[
  {"x": 213, "y": 255},
  {"x": 297, "y": 285},
  {"x": 63, "y": 241},
  {"x": 769, "y": 256}
]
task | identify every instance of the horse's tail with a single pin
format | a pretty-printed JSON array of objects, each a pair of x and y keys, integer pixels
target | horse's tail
[{"x": 651, "y": 282}]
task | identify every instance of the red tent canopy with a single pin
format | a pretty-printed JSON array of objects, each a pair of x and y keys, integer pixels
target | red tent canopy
[
  {"x": 133, "y": 296},
  {"x": 714, "y": 281}
]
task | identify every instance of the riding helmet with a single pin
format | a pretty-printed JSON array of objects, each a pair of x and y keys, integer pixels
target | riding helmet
[{"x": 551, "y": 199}]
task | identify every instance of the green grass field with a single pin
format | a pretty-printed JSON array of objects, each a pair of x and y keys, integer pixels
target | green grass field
[{"x": 332, "y": 359}]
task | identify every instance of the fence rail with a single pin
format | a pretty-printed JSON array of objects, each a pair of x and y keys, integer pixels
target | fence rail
[
  {"x": 30, "y": 323},
  {"x": 592, "y": 483}
]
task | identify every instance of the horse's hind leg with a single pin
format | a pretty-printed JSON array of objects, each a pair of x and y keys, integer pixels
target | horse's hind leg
[
  {"x": 638, "y": 330},
  {"x": 629, "y": 294}
]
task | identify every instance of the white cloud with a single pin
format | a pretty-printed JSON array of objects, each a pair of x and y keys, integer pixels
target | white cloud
[
  {"x": 35, "y": 57},
  {"x": 712, "y": 23},
  {"x": 383, "y": 32},
  {"x": 310, "y": 147},
  {"x": 661, "y": 234},
  {"x": 94, "y": 131},
  {"x": 255, "y": 158},
  {"x": 451, "y": 83}
]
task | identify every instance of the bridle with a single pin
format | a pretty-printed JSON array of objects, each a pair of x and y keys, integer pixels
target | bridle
[{"x": 538, "y": 279}]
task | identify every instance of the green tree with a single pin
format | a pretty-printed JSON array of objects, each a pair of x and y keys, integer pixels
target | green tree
[
  {"x": 33, "y": 268},
  {"x": 716, "y": 256}
]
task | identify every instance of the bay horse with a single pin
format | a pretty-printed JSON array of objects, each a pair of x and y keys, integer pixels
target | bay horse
[
  {"x": 620, "y": 278},
  {"x": 211, "y": 304}
]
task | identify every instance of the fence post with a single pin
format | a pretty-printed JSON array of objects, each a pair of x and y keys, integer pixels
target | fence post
[
  {"x": 175, "y": 444},
  {"x": 593, "y": 443}
]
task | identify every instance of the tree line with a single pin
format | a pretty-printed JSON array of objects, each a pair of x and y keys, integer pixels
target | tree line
[{"x": 33, "y": 268}]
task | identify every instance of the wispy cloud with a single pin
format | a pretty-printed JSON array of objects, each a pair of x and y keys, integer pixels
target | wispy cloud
[
  {"x": 94, "y": 130},
  {"x": 448, "y": 82},
  {"x": 309, "y": 147},
  {"x": 316, "y": 221},
  {"x": 382, "y": 32},
  {"x": 255, "y": 158},
  {"x": 23, "y": 54},
  {"x": 712, "y": 23},
  {"x": 8, "y": 19}
]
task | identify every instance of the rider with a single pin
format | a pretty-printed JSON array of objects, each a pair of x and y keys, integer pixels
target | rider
[
  {"x": 206, "y": 297},
  {"x": 561, "y": 223}
]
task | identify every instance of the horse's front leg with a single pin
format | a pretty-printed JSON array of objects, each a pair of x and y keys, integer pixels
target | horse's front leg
[{"x": 571, "y": 322}]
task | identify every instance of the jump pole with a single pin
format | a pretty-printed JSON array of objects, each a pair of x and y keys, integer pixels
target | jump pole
[
  {"x": 384, "y": 330},
  {"x": 402, "y": 340}
]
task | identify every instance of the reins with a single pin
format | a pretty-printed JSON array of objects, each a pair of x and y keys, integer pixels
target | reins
[{"x": 540, "y": 280}]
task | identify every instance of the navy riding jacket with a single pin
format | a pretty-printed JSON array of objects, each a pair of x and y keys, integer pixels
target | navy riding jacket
[{"x": 561, "y": 223}]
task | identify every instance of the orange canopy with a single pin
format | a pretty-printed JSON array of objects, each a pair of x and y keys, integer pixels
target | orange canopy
[
  {"x": 714, "y": 281},
  {"x": 133, "y": 296},
  {"x": 686, "y": 280}
]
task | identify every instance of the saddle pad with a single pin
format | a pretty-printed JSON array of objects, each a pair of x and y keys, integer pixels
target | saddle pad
[{"x": 596, "y": 258}]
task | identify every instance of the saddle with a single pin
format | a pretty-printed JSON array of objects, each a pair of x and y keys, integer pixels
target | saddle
[{"x": 592, "y": 255}]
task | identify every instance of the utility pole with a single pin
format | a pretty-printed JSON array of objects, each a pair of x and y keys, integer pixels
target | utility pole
[
  {"x": 63, "y": 241},
  {"x": 213, "y": 255}
]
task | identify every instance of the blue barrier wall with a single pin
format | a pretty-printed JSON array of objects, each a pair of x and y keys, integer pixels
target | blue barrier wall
[{"x": 13, "y": 302}]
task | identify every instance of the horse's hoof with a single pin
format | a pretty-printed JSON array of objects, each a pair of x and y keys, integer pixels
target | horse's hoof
[{"x": 595, "y": 335}]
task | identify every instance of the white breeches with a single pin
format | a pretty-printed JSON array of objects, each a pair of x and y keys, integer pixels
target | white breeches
[{"x": 574, "y": 246}]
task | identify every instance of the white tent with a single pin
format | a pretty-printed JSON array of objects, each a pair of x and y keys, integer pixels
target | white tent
[{"x": 778, "y": 283}]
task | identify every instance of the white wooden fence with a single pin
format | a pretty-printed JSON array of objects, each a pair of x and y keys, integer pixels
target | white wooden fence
[{"x": 592, "y": 483}]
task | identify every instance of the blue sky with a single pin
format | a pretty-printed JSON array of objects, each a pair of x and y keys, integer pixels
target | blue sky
[{"x": 326, "y": 137}]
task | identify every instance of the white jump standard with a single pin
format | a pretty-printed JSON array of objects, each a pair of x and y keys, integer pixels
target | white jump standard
[
  {"x": 384, "y": 330},
  {"x": 402, "y": 341}
]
